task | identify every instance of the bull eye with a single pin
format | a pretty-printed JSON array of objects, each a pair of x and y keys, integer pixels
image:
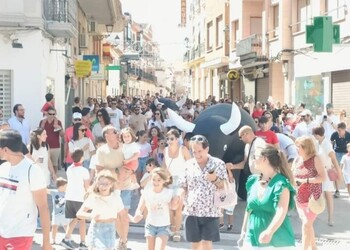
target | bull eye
[{"x": 225, "y": 147}]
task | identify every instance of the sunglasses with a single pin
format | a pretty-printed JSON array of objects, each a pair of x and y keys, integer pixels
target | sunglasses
[
  {"x": 83, "y": 130},
  {"x": 51, "y": 113},
  {"x": 157, "y": 113},
  {"x": 99, "y": 115},
  {"x": 199, "y": 139},
  {"x": 114, "y": 103},
  {"x": 240, "y": 137},
  {"x": 77, "y": 120}
]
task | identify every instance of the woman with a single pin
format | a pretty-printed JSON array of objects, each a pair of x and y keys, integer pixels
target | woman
[
  {"x": 327, "y": 154},
  {"x": 103, "y": 120},
  {"x": 39, "y": 151},
  {"x": 153, "y": 136},
  {"x": 175, "y": 156},
  {"x": 93, "y": 115},
  {"x": 309, "y": 173},
  {"x": 270, "y": 196},
  {"x": 157, "y": 120},
  {"x": 81, "y": 141}
]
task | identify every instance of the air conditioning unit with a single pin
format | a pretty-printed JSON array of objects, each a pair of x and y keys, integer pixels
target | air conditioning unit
[
  {"x": 83, "y": 40},
  {"x": 93, "y": 27}
]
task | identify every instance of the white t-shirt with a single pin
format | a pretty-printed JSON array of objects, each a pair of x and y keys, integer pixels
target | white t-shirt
[
  {"x": 44, "y": 166},
  {"x": 79, "y": 144},
  {"x": 158, "y": 206},
  {"x": 304, "y": 129},
  {"x": 93, "y": 162},
  {"x": 328, "y": 127},
  {"x": 145, "y": 149},
  {"x": 116, "y": 115},
  {"x": 130, "y": 149},
  {"x": 75, "y": 187},
  {"x": 18, "y": 211},
  {"x": 107, "y": 207}
]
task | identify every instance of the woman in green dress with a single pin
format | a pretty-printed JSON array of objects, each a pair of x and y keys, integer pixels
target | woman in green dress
[{"x": 270, "y": 196}]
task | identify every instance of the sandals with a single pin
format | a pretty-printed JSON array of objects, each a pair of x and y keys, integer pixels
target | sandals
[{"x": 177, "y": 236}]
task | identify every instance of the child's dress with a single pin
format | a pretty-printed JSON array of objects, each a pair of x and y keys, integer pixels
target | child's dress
[{"x": 345, "y": 161}]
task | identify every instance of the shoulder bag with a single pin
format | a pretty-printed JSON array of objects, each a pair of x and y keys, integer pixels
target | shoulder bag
[{"x": 226, "y": 197}]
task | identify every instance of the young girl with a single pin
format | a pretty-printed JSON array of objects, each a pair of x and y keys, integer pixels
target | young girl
[
  {"x": 157, "y": 200},
  {"x": 131, "y": 149},
  {"x": 39, "y": 151},
  {"x": 81, "y": 141},
  {"x": 101, "y": 207},
  {"x": 158, "y": 153},
  {"x": 345, "y": 166},
  {"x": 145, "y": 151},
  {"x": 153, "y": 135},
  {"x": 151, "y": 164}
]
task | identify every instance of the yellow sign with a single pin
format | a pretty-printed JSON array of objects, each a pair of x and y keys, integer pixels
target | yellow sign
[
  {"x": 233, "y": 74},
  {"x": 82, "y": 68}
]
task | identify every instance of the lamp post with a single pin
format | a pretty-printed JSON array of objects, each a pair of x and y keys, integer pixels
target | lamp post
[{"x": 109, "y": 28}]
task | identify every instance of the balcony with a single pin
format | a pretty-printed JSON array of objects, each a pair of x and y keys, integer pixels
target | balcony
[
  {"x": 194, "y": 53},
  {"x": 61, "y": 18},
  {"x": 141, "y": 74},
  {"x": 250, "y": 50}
]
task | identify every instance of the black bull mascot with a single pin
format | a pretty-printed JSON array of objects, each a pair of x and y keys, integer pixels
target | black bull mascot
[{"x": 220, "y": 124}]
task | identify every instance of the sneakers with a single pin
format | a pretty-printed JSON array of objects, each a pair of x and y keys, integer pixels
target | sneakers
[
  {"x": 336, "y": 194},
  {"x": 177, "y": 237},
  {"x": 122, "y": 246},
  {"x": 67, "y": 244},
  {"x": 82, "y": 246},
  {"x": 221, "y": 225},
  {"x": 229, "y": 227}
]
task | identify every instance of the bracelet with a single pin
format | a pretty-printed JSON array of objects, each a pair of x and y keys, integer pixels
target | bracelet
[{"x": 307, "y": 180}]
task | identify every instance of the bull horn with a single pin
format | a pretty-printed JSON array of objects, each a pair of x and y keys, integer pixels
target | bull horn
[
  {"x": 156, "y": 102},
  {"x": 180, "y": 122},
  {"x": 181, "y": 102},
  {"x": 234, "y": 121}
]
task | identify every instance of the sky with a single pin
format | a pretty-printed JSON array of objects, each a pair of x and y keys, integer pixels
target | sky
[{"x": 164, "y": 16}]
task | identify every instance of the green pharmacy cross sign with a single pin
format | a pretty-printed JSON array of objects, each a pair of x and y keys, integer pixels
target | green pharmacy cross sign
[{"x": 323, "y": 34}]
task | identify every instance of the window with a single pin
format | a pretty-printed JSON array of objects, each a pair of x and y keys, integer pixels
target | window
[
  {"x": 5, "y": 93},
  {"x": 219, "y": 32},
  {"x": 234, "y": 33},
  {"x": 210, "y": 36},
  {"x": 275, "y": 20},
  {"x": 335, "y": 9},
  {"x": 304, "y": 14}
]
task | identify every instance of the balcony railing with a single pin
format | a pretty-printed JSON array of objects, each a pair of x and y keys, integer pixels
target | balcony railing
[
  {"x": 141, "y": 74},
  {"x": 250, "y": 49},
  {"x": 194, "y": 53},
  {"x": 59, "y": 13}
]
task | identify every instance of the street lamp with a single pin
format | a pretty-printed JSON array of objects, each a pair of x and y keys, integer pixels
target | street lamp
[{"x": 109, "y": 28}]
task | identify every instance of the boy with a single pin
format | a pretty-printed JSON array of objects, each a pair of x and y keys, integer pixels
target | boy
[
  {"x": 58, "y": 207},
  {"x": 78, "y": 183}
]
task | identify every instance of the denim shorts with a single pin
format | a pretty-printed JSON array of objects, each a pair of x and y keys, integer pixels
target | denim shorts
[
  {"x": 126, "y": 195},
  {"x": 154, "y": 231},
  {"x": 101, "y": 235},
  {"x": 59, "y": 220}
]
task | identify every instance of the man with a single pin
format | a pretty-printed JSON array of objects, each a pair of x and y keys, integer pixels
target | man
[
  {"x": 22, "y": 195},
  {"x": 246, "y": 134},
  {"x": 137, "y": 120},
  {"x": 19, "y": 123},
  {"x": 340, "y": 139},
  {"x": 110, "y": 156},
  {"x": 305, "y": 126},
  {"x": 329, "y": 121},
  {"x": 204, "y": 174},
  {"x": 54, "y": 132},
  {"x": 117, "y": 117}
]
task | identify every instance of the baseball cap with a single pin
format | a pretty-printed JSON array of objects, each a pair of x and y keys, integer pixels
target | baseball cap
[
  {"x": 77, "y": 115},
  {"x": 306, "y": 112},
  {"x": 329, "y": 106}
]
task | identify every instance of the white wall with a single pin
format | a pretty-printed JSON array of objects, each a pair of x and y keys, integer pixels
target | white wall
[{"x": 31, "y": 66}]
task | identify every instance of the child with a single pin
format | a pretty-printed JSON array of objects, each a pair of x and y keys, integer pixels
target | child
[
  {"x": 151, "y": 164},
  {"x": 102, "y": 207},
  {"x": 58, "y": 207},
  {"x": 345, "y": 166},
  {"x": 158, "y": 153},
  {"x": 131, "y": 150},
  {"x": 228, "y": 211},
  {"x": 153, "y": 135},
  {"x": 78, "y": 183},
  {"x": 145, "y": 151},
  {"x": 99, "y": 141},
  {"x": 158, "y": 201}
]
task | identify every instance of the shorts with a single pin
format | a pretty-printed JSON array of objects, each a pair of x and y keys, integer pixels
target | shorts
[
  {"x": 339, "y": 155},
  {"x": 86, "y": 164},
  {"x": 154, "y": 231},
  {"x": 59, "y": 220},
  {"x": 126, "y": 195},
  {"x": 202, "y": 228},
  {"x": 55, "y": 154},
  {"x": 72, "y": 208},
  {"x": 23, "y": 243},
  {"x": 101, "y": 235},
  {"x": 142, "y": 165}
]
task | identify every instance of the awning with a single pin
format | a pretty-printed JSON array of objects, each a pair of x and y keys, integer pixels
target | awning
[{"x": 215, "y": 63}]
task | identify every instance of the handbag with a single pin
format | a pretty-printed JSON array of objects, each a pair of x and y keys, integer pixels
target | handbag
[
  {"x": 317, "y": 206},
  {"x": 332, "y": 174},
  {"x": 226, "y": 197}
]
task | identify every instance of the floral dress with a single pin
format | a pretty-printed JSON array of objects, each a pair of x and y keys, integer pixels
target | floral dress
[
  {"x": 305, "y": 170},
  {"x": 262, "y": 211}
]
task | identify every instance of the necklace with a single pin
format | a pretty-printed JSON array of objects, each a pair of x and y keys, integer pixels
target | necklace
[{"x": 262, "y": 181}]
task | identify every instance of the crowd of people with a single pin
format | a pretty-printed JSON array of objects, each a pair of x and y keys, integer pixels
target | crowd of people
[{"x": 123, "y": 146}]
